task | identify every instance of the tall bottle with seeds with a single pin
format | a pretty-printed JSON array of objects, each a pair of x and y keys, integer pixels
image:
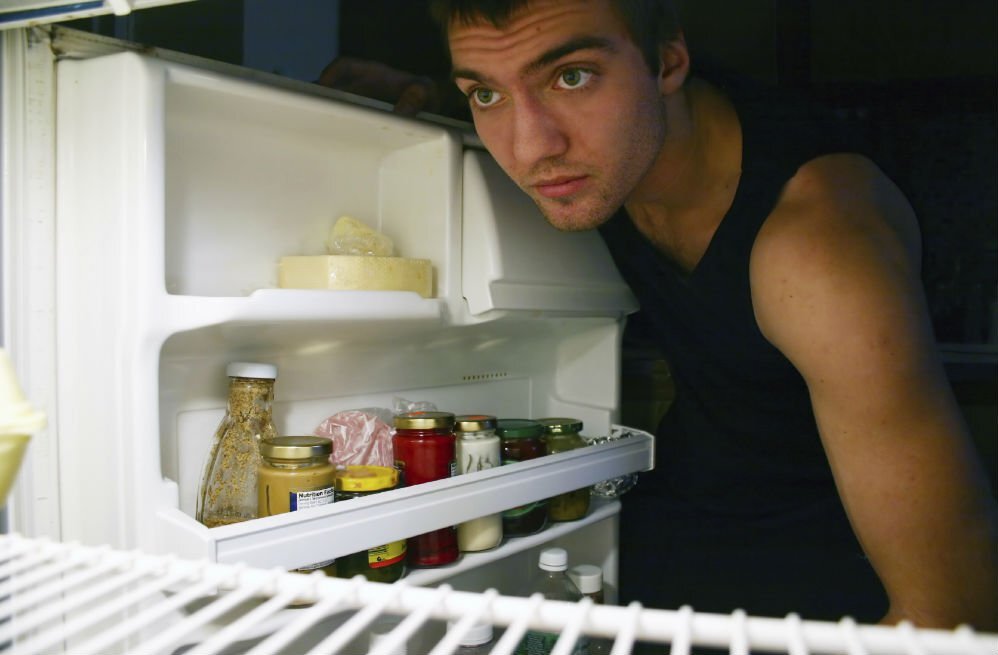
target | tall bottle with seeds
[{"x": 228, "y": 491}]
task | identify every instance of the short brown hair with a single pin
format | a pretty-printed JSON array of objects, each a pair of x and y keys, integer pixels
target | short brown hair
[{"x": 650, "y": 22}]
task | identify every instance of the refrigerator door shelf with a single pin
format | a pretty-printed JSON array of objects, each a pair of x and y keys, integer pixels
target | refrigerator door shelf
[
  {"x": 127, "y": 611},
  {"x": 321, "y": 533}
]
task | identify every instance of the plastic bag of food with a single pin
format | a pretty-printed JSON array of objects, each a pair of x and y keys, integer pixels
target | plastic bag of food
[
  {"x": 359, "y": 436},
  {"x": 349, "y": 236}
]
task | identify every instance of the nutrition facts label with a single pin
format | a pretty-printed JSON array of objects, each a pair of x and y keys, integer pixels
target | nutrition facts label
[{"x": 314, "y": 498}]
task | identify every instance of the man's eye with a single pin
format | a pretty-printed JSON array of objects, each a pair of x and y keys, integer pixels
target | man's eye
[
  {"x": 573, "y": 78},
  {"x": 483, "y": 97}
]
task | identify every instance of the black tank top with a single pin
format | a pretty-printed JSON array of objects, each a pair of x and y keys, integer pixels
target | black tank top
[
  {"x": 738, "y": 452},
  {"x": 741, "y": 431}
]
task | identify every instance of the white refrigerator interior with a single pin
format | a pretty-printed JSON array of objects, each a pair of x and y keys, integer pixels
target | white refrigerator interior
[{"x": 147, "y": 199}]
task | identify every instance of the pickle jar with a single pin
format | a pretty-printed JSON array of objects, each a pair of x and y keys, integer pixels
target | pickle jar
[
  {"x": 384, "y": 563},
  {"x": 295, "y": 473},
  {"x": 561, "y": 434},
  {"x": 477, "y": 449},
  {"x": 424, "y": 451},
  {"x": 521, "y": 440}
]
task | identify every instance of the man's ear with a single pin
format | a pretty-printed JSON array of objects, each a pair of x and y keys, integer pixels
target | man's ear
[{"x": 674, "y": 65}]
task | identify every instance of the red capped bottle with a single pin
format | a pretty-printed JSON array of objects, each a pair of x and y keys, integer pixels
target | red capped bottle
[{"x": 424, "y": 451}]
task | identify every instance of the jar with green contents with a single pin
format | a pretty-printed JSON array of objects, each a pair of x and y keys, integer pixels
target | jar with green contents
[
  {"x": 382, "y": 563},
  {"x": 520, "y": 440},
  {"x": 561, "y": 434}
]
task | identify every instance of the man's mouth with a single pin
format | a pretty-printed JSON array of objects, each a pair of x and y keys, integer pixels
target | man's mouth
[{"x": 559, "y": 187}]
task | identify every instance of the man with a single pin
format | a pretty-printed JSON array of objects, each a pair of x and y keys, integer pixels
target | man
[{"x": 814, "y": 459}]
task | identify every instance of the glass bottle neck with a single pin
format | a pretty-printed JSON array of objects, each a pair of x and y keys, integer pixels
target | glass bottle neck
[{"x": 250, "y": 397}]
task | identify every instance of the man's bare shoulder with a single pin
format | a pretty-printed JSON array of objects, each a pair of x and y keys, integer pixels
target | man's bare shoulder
[{"x": 839, "y": 224}]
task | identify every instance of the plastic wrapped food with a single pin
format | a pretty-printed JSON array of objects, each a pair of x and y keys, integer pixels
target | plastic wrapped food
[{"x": 359, "y": 437}]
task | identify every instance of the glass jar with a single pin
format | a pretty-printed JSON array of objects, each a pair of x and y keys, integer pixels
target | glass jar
[
  {"x": 295, "y": 473},
  {"x": 424, "y": 451},
  {"x": 561, "y": 434},
  {"x": 382, "y": 563},
  {"x": 520, "y": 440},
  {"x": 477, "y": 449},
  {"x": 228, "y": 490}
]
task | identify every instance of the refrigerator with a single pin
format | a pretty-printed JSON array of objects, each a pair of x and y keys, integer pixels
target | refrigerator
[{"x": 148, "y": 197}]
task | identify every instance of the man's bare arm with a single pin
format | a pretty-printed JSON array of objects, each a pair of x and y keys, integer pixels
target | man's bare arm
[{"x": 836, "y": 287}]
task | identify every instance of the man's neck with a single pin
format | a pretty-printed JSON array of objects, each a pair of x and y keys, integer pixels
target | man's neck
[{"x": 689, "y": 189}]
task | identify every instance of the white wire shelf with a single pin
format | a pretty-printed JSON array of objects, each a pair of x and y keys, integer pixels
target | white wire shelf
[{"x": 69, "y": 598}]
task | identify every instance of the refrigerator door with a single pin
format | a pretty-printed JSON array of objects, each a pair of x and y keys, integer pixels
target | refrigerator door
[{"x": 176, "y": 189}]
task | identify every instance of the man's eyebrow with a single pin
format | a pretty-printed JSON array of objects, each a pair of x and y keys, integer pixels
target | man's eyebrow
[{"x": 546, "y": 58}]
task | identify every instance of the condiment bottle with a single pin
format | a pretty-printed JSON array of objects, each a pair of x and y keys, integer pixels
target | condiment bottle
[
  {"x": 478, "y": 640},
  {"x": 520, "y": 441},
  {"x": 228, "y": 490},
  {"x": 382, "y": 563},
  {"x": 589, "y": 580},
  {"x": 424, "y": 451},
  {"x": 295, "y": 473},
  {"x": 552, "y": 581},
  {"x": 477, "y": 449},
  {"x": 561, "y": 434}
]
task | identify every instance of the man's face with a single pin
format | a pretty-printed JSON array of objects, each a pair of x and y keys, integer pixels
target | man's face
[{"x": 566, "y": 104}]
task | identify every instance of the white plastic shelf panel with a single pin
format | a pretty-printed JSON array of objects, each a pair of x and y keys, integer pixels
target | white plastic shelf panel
[{"x": 77, "y": 599}]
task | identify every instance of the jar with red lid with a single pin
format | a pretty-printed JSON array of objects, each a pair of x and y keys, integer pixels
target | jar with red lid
[
  {"x": 424, "y": 451},
  {"x": 521, "y": 440}
]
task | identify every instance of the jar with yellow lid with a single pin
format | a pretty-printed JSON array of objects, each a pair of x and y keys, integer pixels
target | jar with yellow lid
[
  {"x": 384, "y": 563},
  {"x": 561, "y": 434},
  {"x": 295, "y": 473}
]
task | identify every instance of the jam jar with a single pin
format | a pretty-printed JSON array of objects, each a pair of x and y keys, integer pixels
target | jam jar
[
  {"x": 521, "y": 439},
  {"x": 382, "y": 563},
  {"x": 424, "y": 451},
  {"x": 561, "y": 434},
  {"x": 295, "y": 473}
]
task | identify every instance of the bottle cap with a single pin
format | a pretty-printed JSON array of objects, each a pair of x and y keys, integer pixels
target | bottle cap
[
  {"x": 553, "y": 559},
  {"x": 518, "y": 428},
  {"x": 474, "y": 423},
  {"x": 296, "y": 448},
  {"x": 587, "y": 577},
  {"x": 251, "y": 370},
  {"x": 561, "y": 425},
  {"x": 424, "y": 420},
  {"x": 366, "y": 478},
  {"x": 478, "y": 634}
]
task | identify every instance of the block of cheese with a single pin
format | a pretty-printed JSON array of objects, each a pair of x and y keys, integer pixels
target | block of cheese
[{"x": 356, "y": 272}]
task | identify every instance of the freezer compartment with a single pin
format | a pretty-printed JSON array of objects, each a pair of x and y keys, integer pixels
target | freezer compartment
[{"x": 69, "y": 598}]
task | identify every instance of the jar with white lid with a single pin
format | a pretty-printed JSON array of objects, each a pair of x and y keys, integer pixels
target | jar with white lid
[{"x": 477, "y": 449}]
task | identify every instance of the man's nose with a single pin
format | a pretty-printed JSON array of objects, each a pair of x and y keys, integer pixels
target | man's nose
[{"x": 538, "y": 133}]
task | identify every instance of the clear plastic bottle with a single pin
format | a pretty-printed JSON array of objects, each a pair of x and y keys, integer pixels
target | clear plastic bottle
[
  {"x": 553, "y": 583},
  {"x": 589, "y": 580},
  {"x": 228, "y": 491},
  {"x": 478, "y": 640}
]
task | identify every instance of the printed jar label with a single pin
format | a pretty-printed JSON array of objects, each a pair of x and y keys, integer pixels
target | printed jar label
[
  {"x": 386, "y": 555},
  {"x": 311, "y": 498}
]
